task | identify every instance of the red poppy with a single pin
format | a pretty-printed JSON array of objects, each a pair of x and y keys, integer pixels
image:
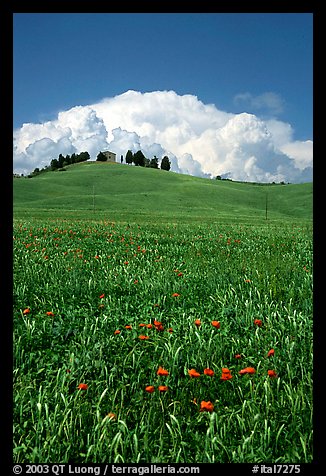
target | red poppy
[
  {"x": 237, "y": 356},
  {"x": 175, "y": 295},
  {"x": 198, "y": 322},
  {"x": 163, "y": 388},
  {"x": 150, "y": 389},
  {"x": 26, "y": 311},
  {"x": 112, "y": 416},
  {"x": 226, "y": 374},
  {"x": 193, "y": 373},
  {"x": 258, "y": 322},
  {"x": 272, "y": 373},
  {"x": 206, "y": 406},
  {"x": 162, "y": 371},
  {"x": 158, "y": 325},
  {"x": 271, "y": 353},
  {"x": 117, "y": 332},
  {"x": 149, "y": 326},
  {"x": 247, "y": 370},
  {"x": 102, "y": 296},
  {"x": 128, "y": 327},
  {"x": 216, "y": 324},
  {"x": 170, "y": 330},
  {"x": 142, "y": 325},
  {"x": 143, "y": 337},
  {"x": 209, "y": 372},
  {"x": 49, "y": 313},
  {"x": 83, "y": 386}
]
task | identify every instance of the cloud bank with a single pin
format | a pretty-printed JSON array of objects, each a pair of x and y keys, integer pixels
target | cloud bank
[{"x": 198, "y": 138}]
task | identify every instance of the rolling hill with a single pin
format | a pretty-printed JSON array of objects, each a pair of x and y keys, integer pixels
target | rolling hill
[{"x": 126, "y": 193}]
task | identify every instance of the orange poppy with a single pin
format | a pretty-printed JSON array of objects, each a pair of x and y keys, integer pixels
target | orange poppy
[
  {"x": 83, "y": 386},
  {"x": 150, "y": 389},
  {"x": 193, "y": 373},
  {"x": 206, "y": 406},
  {"x": 271, "y": 353},
  {"x": 102, "y": 296},
  {"x": 117, "y": 332},
  {"x": 175, "y": 295},
  {"x": 216, "y": 324},
  {"x": 198, "y": 322},
  {"x": 258, "y": 322},
  {"x": 209, "y": 372},
  {"x": 49, "y": 313},
  {"x": 26, "y": 311},
  {"x": 170, "y": 330},
  {"x": 247, "y": 370},
  {"x": 142, "y": 325},
  {"x": 237, "y": 356},
  {"x": 112, "y": 416},
  {"x": 142, "y": 337},
  {"x": 272, "y": 373},
  {"x": 149, "y": 326},
  {"x": 226, "y": 374},
  {"x": 163, "y": 388},
  {"x": 128, "y": 327},
  {"x": 162, "y": 371}
]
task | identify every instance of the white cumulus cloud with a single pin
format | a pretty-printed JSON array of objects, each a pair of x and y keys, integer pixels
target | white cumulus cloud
[{"x": 198, "y": 138}]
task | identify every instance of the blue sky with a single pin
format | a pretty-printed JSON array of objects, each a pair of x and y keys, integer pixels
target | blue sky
[
  {"x": 256, "y": 63},
  {"x": 64, "y": 60}
]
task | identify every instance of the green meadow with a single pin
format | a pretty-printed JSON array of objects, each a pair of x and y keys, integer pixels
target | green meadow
[{"x": 161, "y": 318}]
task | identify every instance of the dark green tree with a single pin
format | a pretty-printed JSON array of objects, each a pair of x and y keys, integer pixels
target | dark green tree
[
  {"x": 101, "y": 157},
  {"x": 83, "y": 156},
  {"x": 165, "y": 163},
  {"x": 129, "y": 157},
  {"x": 139, "y": 158},
  {"x": 154, "y": 162},
  {"x": 54, "y": 164},
  {"x": 61, "y": 160}
]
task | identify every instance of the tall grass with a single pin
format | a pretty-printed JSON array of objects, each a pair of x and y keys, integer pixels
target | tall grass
[{"x": 82, "y": 281}]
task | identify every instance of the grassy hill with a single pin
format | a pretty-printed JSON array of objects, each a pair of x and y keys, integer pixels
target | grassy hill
[{"x": 120, "y": 192}]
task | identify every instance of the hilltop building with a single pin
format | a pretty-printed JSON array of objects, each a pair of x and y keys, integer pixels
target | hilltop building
[{"x": 111, "y": 156}]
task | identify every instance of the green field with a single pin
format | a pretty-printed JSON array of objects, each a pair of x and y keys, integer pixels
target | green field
[
  {"x": 125, "y": 193},
  {"x": 231, "y": 290}
]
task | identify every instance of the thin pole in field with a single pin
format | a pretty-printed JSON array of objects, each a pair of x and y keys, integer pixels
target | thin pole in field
[
  {"x": 93, "y": 198},
  {"x": 266, "y": 202}
]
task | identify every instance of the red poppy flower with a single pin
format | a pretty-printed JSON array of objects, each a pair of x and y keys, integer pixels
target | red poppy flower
[
  {"x": 258, "y": 322},
  {"x": 209, "y": 372},
  {"x": 206, "y": 406},
  {"x": 26, "y": 311},
  {"x": 272, "y": 373},
  {"x": 102, "y": 296},
  {"x": 162, "y": 371},
  {"x": 216, "y": 324},
  {"x": 163, "y": 388},
  {"x": 247, "y": 370},
  {"x": 143, "y": 337},
  {"x": 149, "y": 326},
  {"x": 170, "y": 330},
  {"x": 128, "y": 327},
  {"x": 142, "y": 325},
  {"x": 198, "y": 322},
  {"x": 271, "y": 353},
  {"x": 117, "y": 332},
  {"x": 49, "y": 313},
  {"x": 150, "y": 389},
  {"x": 237, "y": 356},
  {"x": 112, "y": 416},
  {"x": 226, "y": 374},
  {"x": 175, "y": 295},
  {"x": 83, "y": 386},
  {"x": 193, "y": 373}
]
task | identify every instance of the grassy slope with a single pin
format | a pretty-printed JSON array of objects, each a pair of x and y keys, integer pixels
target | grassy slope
[{"x": 125, "y": 193}]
